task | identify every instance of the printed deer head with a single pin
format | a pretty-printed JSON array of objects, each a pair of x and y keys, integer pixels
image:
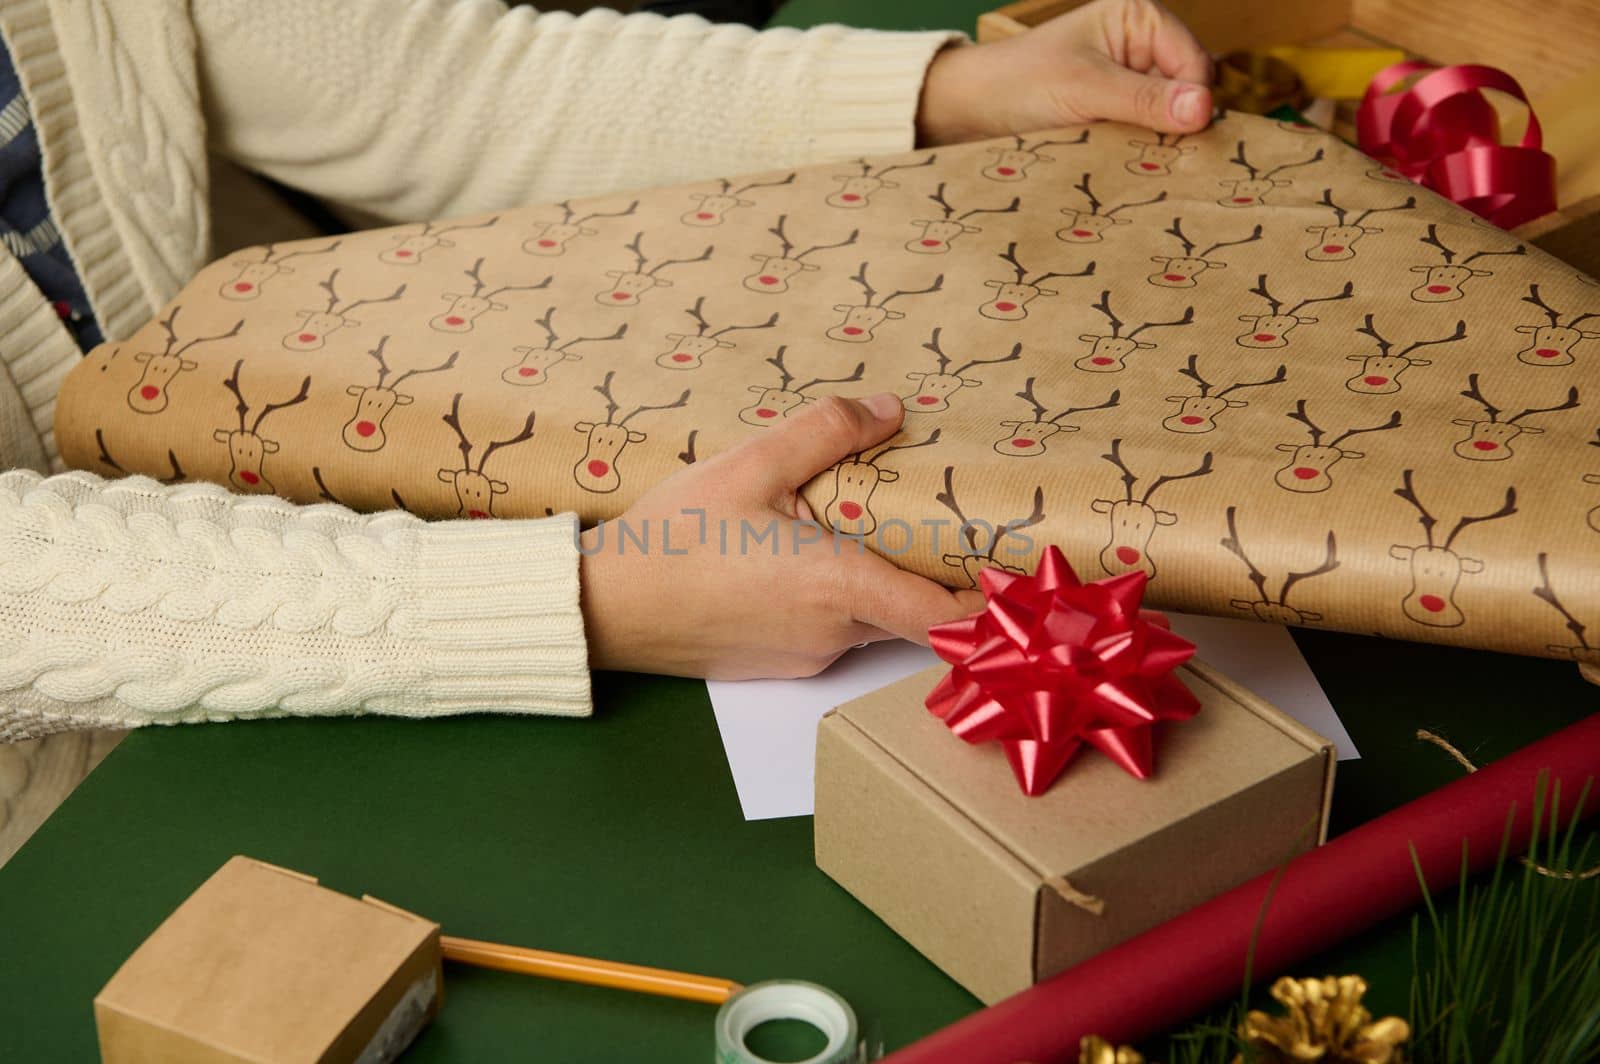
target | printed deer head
[
  {"x": 936, "y": 233},
  {"x": 1552, "y": 344},
  {"x": 316, "y": 325},
  {"x": 1380, "y": 373},
  {"x": 1582, "y": 651},
  {"x": 597, "y": 470},
  {"x": 1489, "y": 438},
  {"x": 534, "y": 367},
  {"x": 855, "y": 190},
  {"x": 1307, "y": 470},
  {"x": 1272, "y": 329},
  {"x": 410, "y": 247},
  {"x": 1011, "y": 163},
  {"x": 374, "y": 403},
  {"x": 149, "y": 393},
  {"x": 474, "y": 490},
  {"x": 1155, "y": 160},
  {"x": 935, "y": 389},
  {"x": 1089, "y": 226},
  {"x": 774, "y": 272},
  {"x": 979, "y": 540},
  {"x": 1108, "y": 352},
  {"x": 247, "y": 449},
  {"x": 1337, "y": 242},
  {"x": 711, "y": 208},
  {"x": 1134, "y": 520},
  {"x": 689, "y": 349},
  {"x": 551, "y": 238},
  {"x": 1252, "y": 191},
  {"x": 860, "y": 319},
  {"x": 774, "y": 403},
  {"x": 1442, "y": 284},
  {"x": 253, "y": 273},
  {"x": 1028, "y": 438},
  {"x": 1181, "y": 271},
  {"x": 628, "y": 285},
  {"x": 1436, "y": 569},
  {"x": 1264, "y": 607},
  {"x": 1011, "y": 298},
  {"x": 1198, "y": 413},
  {"x": 465, "y": 309},
  {"x": 854, "y": 481}
]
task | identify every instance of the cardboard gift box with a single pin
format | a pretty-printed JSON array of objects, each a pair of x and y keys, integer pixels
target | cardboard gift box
[
  {"x": 261, "y": 964},
  {"x": 1002, "y": 890}
]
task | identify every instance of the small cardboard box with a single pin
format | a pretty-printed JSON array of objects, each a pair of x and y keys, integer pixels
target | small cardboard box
[
  {"x": 1001, "y": 890},
  {"x": 261, "y": 964}
]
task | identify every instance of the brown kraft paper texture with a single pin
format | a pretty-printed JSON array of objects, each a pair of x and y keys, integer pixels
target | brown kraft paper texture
[{"x": 1252, "y": 363}]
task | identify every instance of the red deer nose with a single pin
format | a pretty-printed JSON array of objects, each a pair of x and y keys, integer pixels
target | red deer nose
[
  {"x": 243, "y": 286},
  {"x": 249, "y": 477},
  {"x": 766, "y": 412},
  {"x": 704, "y": 214},
  {"x": 403, "y": 253},
  {"x": 477, "y": 514},
  {"x": 1333, "y": 249},
  {"x": 1082, "y": 232},
  {"x": 1172, "y": 277},
  {"x": 681, "y": 357},
  {"x": 851, "y": 330},
  {"x": 1191, "y": 419},
  {"x": 927, "y": 400},
  {"x": 149, "y": 391},
  {"x": 1005, "y": 171},
  {"x": 1547, "y": 352},
  {"x": 527, "y": 371},
  {"x": 1375, "y": 381},
  {"x": 1485, "y": 445},
  {"x": 1022, "y": 443},
  {"x": 1149, "y": 166},
  {"x": 547, "y": 243},
  {"x": 619, "y": 295},
  {"x": 850, "y": 197},
  {"x": 1101, "y": 360},
  {"x": 598, "y": 468},
  {"x": 931, "y": 243},
  {"x": 1005, "y": 307},
  {"x": 1243, "y": 199},
  {"x": 1127, "y": 555},
  {"x": 851, "y": 510},
  {"x": 1265, "y": 337},
  {"x": 455, "y": 319},
  {"x": 1436, "y": 289},
  {"x": 307, "y": 338},
  {"x": 1305, "y": 472},
  {"x": 1431, "y": 603},
  {"x": 767, "y": 278},
  {"x": 365, "y": 428}
]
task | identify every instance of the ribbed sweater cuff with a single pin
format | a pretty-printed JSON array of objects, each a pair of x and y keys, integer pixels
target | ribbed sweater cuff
[
  {"x": 869, "y": 84},
  {"x": 497, "y": 617}
]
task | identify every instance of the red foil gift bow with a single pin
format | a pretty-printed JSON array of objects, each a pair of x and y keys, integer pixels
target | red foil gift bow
[
  {"x": 1442, "y": 133},
  {"x": 1052, "y": 663}
]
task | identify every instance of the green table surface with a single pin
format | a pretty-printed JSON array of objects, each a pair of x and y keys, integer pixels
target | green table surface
[{"x": 619, "y": 837}]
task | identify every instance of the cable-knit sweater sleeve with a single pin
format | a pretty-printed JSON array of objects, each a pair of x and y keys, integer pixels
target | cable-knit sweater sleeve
[
  {"x": 127, "y": 602},
  {"x": 416, "y": 109}
]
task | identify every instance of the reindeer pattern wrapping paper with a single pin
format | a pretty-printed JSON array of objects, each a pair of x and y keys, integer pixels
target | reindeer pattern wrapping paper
[{"x": 1278, "y": 379}]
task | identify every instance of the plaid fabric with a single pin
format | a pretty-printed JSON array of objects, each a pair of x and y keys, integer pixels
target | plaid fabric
[{"x": 26, "y": 228}]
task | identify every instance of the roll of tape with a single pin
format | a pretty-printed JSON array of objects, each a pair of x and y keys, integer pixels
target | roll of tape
[{"x": 787, "y": 1000}]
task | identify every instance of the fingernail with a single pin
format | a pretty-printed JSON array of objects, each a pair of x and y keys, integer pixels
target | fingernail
[
  {"x": 1187, "y": 107},
  {"x": 883, "y": 405}
]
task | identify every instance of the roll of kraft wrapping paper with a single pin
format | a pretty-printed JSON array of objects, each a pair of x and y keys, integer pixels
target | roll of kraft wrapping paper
[{"x": 1178, "y": 969}]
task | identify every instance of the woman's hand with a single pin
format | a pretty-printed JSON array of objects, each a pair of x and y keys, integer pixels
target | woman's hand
[
  {"x": 1126, "y": 60},
  {"x": 784, "y": 604}
]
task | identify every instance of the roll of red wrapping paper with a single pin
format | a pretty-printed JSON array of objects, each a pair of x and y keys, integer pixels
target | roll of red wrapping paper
[{"x": 1192, "y": 961}]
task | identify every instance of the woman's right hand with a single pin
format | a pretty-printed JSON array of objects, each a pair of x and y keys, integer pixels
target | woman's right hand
[{"x": 749, "y": 609}]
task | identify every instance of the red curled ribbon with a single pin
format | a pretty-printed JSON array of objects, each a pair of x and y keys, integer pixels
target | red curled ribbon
[
  {"x": 1052, "y": 663},
  {"x": 1442, "y": 133}
]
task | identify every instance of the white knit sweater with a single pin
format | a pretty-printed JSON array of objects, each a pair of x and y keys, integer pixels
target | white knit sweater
[{"x": 125, "y": 602}]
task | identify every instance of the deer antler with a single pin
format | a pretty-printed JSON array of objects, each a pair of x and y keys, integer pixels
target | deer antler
[
  {"x": 933, "y": 437},
  {"x": 1459, "y": 334},
  {"x": 1507, "y": 508},
  {"x": 1016, "y": 201},
  {"x": 1407, "y": 491},
  {"x": 1192, "y": 371},
  {"x": 938, "y": 283},
  {"x": 846, "y": 242},
  {"x": 1083, "y": 186},
  {"x": 1538, "y": 301},
  {"x": 1277, "y": 378},
  {"x": 1255, "y": 234},
  {"x": 1299, "y": 414},
  {"x": 1114, "y": 399},
  {"x": 1027, "y": 396},
  {"x": 460, "y": 226},
  {"x": 1239, "y": 160},
  {"x": 453, "y": 419},
  {"x": 1411, "y": 201},
  {"x": 1433, "y": 238},
  {"x": 477, "y": 278},
  {"x": 1261, "y": 290},
  {"x": 900, "y": 166},
  {"x": 1010, "y": 255},
  {"x": 682, "y": 400},
  {"x": 1344, "y": 293},
  {"x": 700, "y": 319},
  {"x": 1104, "y": 307},
  {"x": 1476, "y": 395},
  {"x": 547, "y": 324},
  {"x": 629, "y": 209},
  {"x": 520, "y": 287},
  {"x": 328, "y": 285},
  {"x": 1520, "y": 249},
  {"x": 1087, "y": 271},
  {"x": 1198, "y": 471},
  {"x": 1033, "y": 518},
  {"x": 1128, "y": 477},
  {"x": 1330, "y": 562},
  {"x": 1315, "y": 158},
  {"x": 933, "y": 345},
  {"x": 273, "y": 256},
  {"x": 1016, "y": 353},
  {"x": 860, "y": 278},
  {"x": 525, "y": 433},
  {"x": 1392, "y": 423},
  {"x": 783, "y": 238},
  {"x": 172, "y": 333},
  {"x": 1548, "y": 593},
  {"x": 658, "y": 267},
  {"x": 1188, "y": 317},
  {"x": 1368, "y": 329},
  {"x": 390, "y": 298},
  {"x": 604, "y": 388},
  {"x": 1571, "y": 401},
  {"x": 230, "y": 334},
  {"x": 440, "y": 368},
  {"x": 944, "y": 204},
  {"x": 299, "y": 397},
  {"x": 785, "y": 379},
  {"x": 1176, "y": 229},
  {"x": 619, "y": 333},
  {"x": 765, "y": 184},
  {"x": 1231, "y": 543},
  {"x": 855, "y": 375},
  {"x": 1327, "y": 201},
  {"x": 232, "y": 384},
  {"x": 377, "y": 354},
  {"x": 1082, "y": 137},
  {"x": 1157, "y": 198},
  {"x": 947, "y": 498},
  {"x": 769, "y": 323},
  {"x": 637, "y": 247}
]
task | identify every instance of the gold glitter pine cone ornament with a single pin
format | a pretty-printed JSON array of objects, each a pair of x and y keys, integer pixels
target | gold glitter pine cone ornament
[
  {"x": 1095, "y": 1050},
  {"x": 1325, "y": 1022}
]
